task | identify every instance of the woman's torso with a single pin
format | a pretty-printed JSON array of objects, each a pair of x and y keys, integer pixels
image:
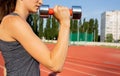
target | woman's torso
[{"x": 17, "y": 61}]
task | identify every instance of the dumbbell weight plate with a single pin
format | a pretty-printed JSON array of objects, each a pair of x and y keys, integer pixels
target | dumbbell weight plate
[
  {"x": 44, "y": 11},
  {"x": 77, "y": 12}
]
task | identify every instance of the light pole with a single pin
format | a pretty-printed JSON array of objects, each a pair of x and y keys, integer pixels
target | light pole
[
  {"x": 78, "y": 31},
  {"x": 94, "y": 32},
  {"x": 94, "y": 35}
]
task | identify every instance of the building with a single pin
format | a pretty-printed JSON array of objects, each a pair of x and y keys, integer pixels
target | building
[{"x": 110, "y": 24}]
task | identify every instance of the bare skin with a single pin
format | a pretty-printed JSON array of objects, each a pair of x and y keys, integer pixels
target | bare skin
[{"x": 15, "y": 28}]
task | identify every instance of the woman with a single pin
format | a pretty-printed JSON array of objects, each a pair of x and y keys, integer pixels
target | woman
[{"x": 21, "y": 48}]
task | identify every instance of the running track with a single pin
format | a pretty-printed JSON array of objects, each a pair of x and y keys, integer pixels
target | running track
[{"x": 85, "y": 61}]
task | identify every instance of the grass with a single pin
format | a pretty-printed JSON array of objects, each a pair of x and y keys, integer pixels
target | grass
[{"x": 116, "y": 47}]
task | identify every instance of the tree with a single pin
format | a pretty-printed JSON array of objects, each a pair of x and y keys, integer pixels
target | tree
[
  {"x": 33, "y": 21},
  {"x": 55, "y": 26},
  {"x": 86, "y": 26},
  {"x": 96, "y": 29},
  {"x": 47, "y": 33},
  {"x": 81, "y": 28},
  {"x": 91, "y": 25},
  {"x": 109, "y": 38},
  {"x": 41, "y": 33},
  {"x": 71, "y": 25},
  {"x": 30, "y": 20},
  {"x": 74, "y": 26}
]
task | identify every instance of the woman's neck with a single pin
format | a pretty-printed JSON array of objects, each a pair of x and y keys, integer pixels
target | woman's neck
[
  {"x": 22, "y": 14},
  {"x": 21, "y": 11}
]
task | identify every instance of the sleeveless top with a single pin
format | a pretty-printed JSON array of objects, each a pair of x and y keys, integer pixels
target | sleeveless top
[{"x": 18, "y": 61}]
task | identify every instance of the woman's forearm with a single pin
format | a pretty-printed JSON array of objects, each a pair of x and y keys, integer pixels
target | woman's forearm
[{"x": 59, "y": 53}]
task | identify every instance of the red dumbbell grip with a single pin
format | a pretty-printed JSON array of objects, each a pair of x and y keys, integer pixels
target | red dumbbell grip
[{"x": 51, "y": 11}]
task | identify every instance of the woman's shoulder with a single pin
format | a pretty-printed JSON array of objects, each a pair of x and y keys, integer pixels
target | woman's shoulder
[
  {"x": 8, "y": 19},
  {"x": 14, "y": 21}
]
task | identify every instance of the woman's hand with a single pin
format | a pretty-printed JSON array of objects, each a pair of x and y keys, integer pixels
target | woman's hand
[{"x": 62, "y": 14}]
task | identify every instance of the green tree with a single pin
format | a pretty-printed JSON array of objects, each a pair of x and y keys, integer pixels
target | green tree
[
  {"x": 55, "y": 26},
  {"x": 75, "y": 26},
  {"x": 86, "y": 28},
  {"x": 96, "y": 29},
  {"x": 47, "y": 33},
  {"x": 84, "y": 25},
  {"x": 71, "y": 25},
  {"x": 35, "y": 23},
  {"x": 81, "y": 28},
  {"x": 30, "y": 20},
  {"x": 109, "y": 38},
  {"x": 41, "y": 33},
  {"x": 91, "y": 24}
]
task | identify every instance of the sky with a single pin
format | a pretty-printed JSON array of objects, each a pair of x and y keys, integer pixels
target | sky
[{"x": 90, "y": 8}]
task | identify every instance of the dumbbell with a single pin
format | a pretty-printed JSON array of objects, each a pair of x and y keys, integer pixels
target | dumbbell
[{"x": 45, "y": 11}]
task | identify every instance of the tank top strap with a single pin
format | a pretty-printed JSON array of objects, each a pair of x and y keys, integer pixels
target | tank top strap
[{"x": 13, "y": 13}]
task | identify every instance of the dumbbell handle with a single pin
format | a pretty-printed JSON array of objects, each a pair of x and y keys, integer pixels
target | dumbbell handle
[{"x": 51, "y": 11}]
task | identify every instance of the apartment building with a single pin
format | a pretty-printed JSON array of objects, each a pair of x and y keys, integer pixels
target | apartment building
[{"x": 110, "y": 24}]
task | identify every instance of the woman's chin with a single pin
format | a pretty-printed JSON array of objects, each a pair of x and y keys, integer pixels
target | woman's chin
[{"x": 35, "y": 11}]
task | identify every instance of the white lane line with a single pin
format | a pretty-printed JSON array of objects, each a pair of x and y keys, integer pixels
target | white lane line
[
  {"x": 79, "y": 71},
  {"x": 93, "y": 68}
]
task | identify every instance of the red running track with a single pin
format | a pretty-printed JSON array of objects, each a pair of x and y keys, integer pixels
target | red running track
[{"x": 85, "y": 61}]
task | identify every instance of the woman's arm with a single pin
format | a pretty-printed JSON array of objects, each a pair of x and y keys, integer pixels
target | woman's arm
[{"x": 20, "y": 30}]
